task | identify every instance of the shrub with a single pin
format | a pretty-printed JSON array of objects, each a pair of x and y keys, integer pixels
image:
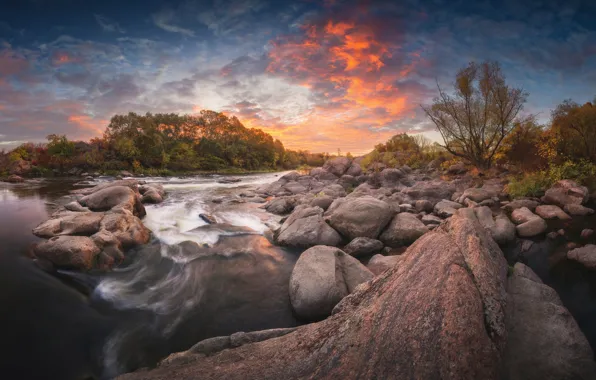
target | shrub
[{"x": 529, "y": 185}]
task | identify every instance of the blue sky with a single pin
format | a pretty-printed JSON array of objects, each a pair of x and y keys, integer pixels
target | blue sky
[{"x": 320, "y": 75}]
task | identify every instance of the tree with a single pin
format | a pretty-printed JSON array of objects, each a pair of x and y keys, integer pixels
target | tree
[
  {"x": 482, "y": 111},
  {"x": 575, "y": 129}
]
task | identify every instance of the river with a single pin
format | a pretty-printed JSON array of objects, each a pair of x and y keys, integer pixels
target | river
[{"x": 169, "y": 295}]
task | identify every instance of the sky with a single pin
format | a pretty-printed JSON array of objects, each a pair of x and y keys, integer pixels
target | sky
[{"x": 318, "y": 75}]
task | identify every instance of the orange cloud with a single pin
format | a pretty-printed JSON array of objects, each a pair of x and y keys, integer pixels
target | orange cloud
[{"x": 86, "y": 122}]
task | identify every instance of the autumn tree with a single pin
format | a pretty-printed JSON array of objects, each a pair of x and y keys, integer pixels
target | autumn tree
[
  {"x": 574, "y": 127},
  {"x": 475, "y": 119}
]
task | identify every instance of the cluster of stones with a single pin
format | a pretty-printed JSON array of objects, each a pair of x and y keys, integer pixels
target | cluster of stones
[
  {"x": 93, "y": 231},
  {"x": 340, "y": 212}
]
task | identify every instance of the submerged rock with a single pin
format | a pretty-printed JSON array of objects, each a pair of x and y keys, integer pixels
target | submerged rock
[
  {"x": 76, "y": 252},
  {"x": 321, "y": 277},
  {"x": 585, "y": 255}
]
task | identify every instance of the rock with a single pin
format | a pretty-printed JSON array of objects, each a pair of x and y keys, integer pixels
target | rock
[
  {"x": 354, "y": 170},
  {"x": 127, "y": 228},
  {"x": 15, "y": 179},
  {"x": 551, "y": 212},
  {"x": 439, "y": 313},
  {"x": 405, "y": 207},
  {"x": 72, "y": 223},
  {"x": 76, "y": 252},
  {"x": 152, "y": 186},
  {"x": 390, "y": 177},
  {"x": 552, "y": 235},
  {"x": 19, "y": 168},
  {"x": 114, "y": 197},
  {"x": 446, "y": 209},
  {"x": 363, "y": 246},
  {"x": 208, "y": 218},
  {"x": 322, "y": 201},
  {"x": 406, "y": 169},
  {"x": 337, "y": 166},
  {"x": 566, "y": 192},
  {"x": 522, "y": 215},
  {"x": 475, "y": 194},
  {"x": 305, "y": 227},
  {"x": 458, "y": 168},
  {"x": 519, "y": 203},
  {"x": 280, "y": 206},
  {"x": 76, "y": 207},
  {"x": 532, "y": 227},
  {"x": 320, "y": 279},
  {"x": 404, "y": 229},
  {"x": 333, "y": 191},
  {"x": 587, "y": 233},
  {"x": 433, "y": 191},
  {"x": 503, "y": 231},
  {"x": 151, "y": 196},
  {"x": 544, "y": 341},
  {"x": 586, "y": 255},
  {"x": 322, "y": 174},
  {"x": 359, "y": 217},
  {"x": 130, "y": 183},
  {"x": 578, "y": 210},
  {"x": 295, "y": 188},
  {"x": 423, "y": 205},
  {"x": 347, "y": 181},
  {"x": 379, "y": 263},
  {"x": 431, "y": 219},
  {"x": 125, "y": 173}
]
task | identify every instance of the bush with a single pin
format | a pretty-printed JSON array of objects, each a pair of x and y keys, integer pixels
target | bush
[{"x": 529, "y": 185}]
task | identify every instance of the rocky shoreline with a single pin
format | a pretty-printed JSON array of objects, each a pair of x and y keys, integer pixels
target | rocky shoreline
[{"x": 394, "y": 261}]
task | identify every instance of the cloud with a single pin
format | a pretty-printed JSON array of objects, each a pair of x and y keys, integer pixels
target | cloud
[
  {"x": 164, "y": 20},
  {"x": 107, "y": 24}
]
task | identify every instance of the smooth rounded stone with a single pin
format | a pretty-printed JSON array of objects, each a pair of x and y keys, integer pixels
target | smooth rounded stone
[
  {"x": 72, "y": 223},
  {"x": 333, "y": 191},
  {"x": 566, "y": 192},
  {"x": 133, "y": 184},
  {"x": 359, "y": 217},
  {"x": 347, "y": 181},
  {"x": 126, "y": 227},
  {"x": 76, "y": 252},
  {"x": 488, "y": 202},
  {"x": 322, "y": 201},
  {"x": 363, "y": 246},
  {"x": 355, "y": 170},
  {"x": 519, "y": 203},
  {"x": 305, "y": 227},
  {"x": 433, "y": 191},
  {"x": 291, "y": 176},
  {"x": 578, "y": 210},
  {"x": 390, "y": 177},
  {"x": 503, "y": 231},
  {"x": 15, "y": 179},
  {"x": 404, "y": 229},
  {"x": 458, "y": 168},
  {"x": 587, "y": 233},
  {"x": 280, "y": 206},
  {"x": 522, "y": 215},
  {"x": 431, "y": 219},
  {"x": 423, "y": 205},
  {"x": 295, "y": 188},
  {"x": 76, "y": 207},
  {"x": 446, "y": 208},
  {"x": 322, "y": 174},
  {"x": 152, "y": 186},
  {"x": 337, "y": 166},
  {"x": 551, "y": 212},
  {"x": 532, "y": 227},
  {"x": 320, "y": 279},
  {"x": 126, "y": 173},
  {"x": 379, "y": 263},
  {"x": 115, "y": 196},
  {"x": 543, "y": 339},
  {"x": 152, "y": 196},
  {"x": 475, "y": 194},
  {"x": 585, "y": 255}
]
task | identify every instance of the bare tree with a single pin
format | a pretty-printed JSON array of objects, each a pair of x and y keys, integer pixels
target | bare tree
[{"x": 482, "y": 111}]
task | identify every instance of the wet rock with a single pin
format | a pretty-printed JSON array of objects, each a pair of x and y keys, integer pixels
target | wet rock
[
  {"x": 519, "y": 203},
  {"x": 305, "y": 227},
  {"x": 152, "y": 186},
  {"x": 130, "y": 183},
  {"x": 379, "y": 263},
  {"x": 359, "y": 217},
  {"x": 151, "y": 196},
  {"x": 15, "y": 179},
  {"x": 207, "y": 218},
  {"x": 76, "y": 252},
  {"x": 126, "y": 227},
  {"x": 72, "y": 223},
  {"x": 544, "y": 341},
  {"x": 404, "y": 229},
  {"x": 114, "y": 197},
  {"x": 551, "y": 212},
  {"x": 585, "y": 255},
  {"x": 446, "y": 209},
  {"x": 578, "y": 210},
  {"x": 566, "y": 192},
  {"x": 363, "y": 246},
  {"x": 587, "y": 233},
  {"x": 320, "y": 279},
  {"x": 337, "y": 166}
]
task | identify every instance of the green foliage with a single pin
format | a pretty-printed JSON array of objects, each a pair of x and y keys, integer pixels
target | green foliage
[
  {"x": 58, "y": 145},
  {"x": 529, "y": 185}
]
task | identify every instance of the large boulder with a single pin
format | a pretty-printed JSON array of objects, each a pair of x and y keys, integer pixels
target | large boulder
[
  {"x": 320, "y": 279},
  {"x": 544, "y": 341},
  {"x": 501, "y": 228},
  {"x": 363, "y": 246},
  {"x": 359, "y": 217},
  {"x": 551, "y": 212},
  {"x": 280, "y": 206},
  {"x": 70, "y": 223},
  {"x": 354, "y": 170},
  {"x": 379, "y": 263},
  {"x": 578, "y": 210},
  {"x": 439, "y": 313},
  {"x": 127, "y": 228},
  {"x": 528, "y": 223},
  {"x": 566, "y": 192},
  {"x": 151, "y": 196},
  {"x": 458, "y": 168},
  {"x": 158, "y": 187},
  {"x": 433, "y": 191},
  {"x": 322, "y": 174},
  {"x": 446, "y": 208},
  {"x": 404, "y": 229},
  {"x": 74, "y": 252},
  {"x": 390, "y": 177},
  {"x": 337, "y": 166},
  {"x": 114, "y": 197},
  {"x": 306, "y": 228},
  {"x": 519, "y": 203},
  {"x": 585, "y": 255},
  {"x": 133, "y": 184}
]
